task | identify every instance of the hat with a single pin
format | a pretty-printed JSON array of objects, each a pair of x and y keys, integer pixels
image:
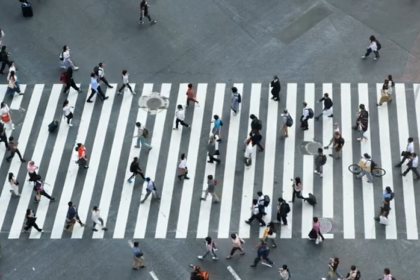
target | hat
[{"x": 366, "y": 156}]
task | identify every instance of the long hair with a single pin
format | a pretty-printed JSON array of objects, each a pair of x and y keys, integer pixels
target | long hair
[
  {"x": 66, "y": 102},
  {"x": 10, "y": 176}
]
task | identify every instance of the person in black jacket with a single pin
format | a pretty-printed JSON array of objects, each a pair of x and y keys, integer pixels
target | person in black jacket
[
  {"x": 4, "y": 58},
  {"x": 282, "y": 210},
  {"x": 144, "y": 12},
  {"x": 30, "y": 221},
  {"x": 70, "y": 82},
  {"x": 328, "y": 104},
  {"x": 276, "y": 88}
]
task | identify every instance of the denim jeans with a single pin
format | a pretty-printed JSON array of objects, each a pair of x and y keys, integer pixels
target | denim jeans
[{"x": 141, "y": 140}]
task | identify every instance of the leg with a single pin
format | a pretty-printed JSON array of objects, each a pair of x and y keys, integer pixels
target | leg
[
  {"x": 369, "y": 176},
  {"x": 101, "y": 93},
  {"x": 105, "y": 82},
  {"x": 132, "y": 176},
  {"x": 3, "y": 65},
  {"x": 45, "y": 194},
  {"x": 12, "y": 154},
  {"x": 122, "y": 87},
  {"x": 20, "y": 156},
  {"x": 36, "y": 227},
  {"x": 129, "y": 87},
  {"x": 368, "y": 51},
  {"x": 143, "y": 143},
  {"x": 142, "y": 176},
  {"x": 405, "y": 156},
  {"x": 251, "y": 219},
  {"x": 184, "y": 124},
  {"x": 376, "y": 54},
  {"x": 91, "y": 95},
  {"x": 147, "y": 195},
  {"x": 15, "y": 190},
  {"x": 256, "y": 261},
  {"x": 73, "y": 85},
  {"x": 260, "y": 220},
  {"x": 284, "y": 219},
  {"x": 176, "y": 123},
  {"x": 66, "y": 88},
  {"x": 215, "y": 198},
  {"x": 211, "y": 159},
  {"x": 79, "y": 221},
  {"x": 415, "y": 171},
  {"x": 205, "y": 255},
  {"x": 260, "y": 146},
  {"x": 213, "y": 253}
]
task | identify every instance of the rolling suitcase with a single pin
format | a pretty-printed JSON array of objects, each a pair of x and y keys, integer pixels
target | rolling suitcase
[
  {"x": 52, "y": 126},
  {"x": 27, "y": 10},
  {"x": 311, "y": 199}
]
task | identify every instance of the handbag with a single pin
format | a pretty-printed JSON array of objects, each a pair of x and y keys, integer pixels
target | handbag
[
  {"x": 383, "y": 220},
  {"x": 5, "y": 117}
]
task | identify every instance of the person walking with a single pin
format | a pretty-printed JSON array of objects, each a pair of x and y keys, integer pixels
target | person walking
[
  {"x": 3, "y": 136},
  {"x": 320, "y": 161},
  {"x": 31, "y": 221},
  {"x": 256, "y": 125},
  {"x": 338, "y": 141},
  {"x": 211, "y": 150},
  {"x": 261, "y": 202},
  {"x": 270, "y": 234},
  {"x": 255, "y": 214},
  {"x": 32, "y": 168},
  {"x": 144, "y": 12},
  {"x": 100, "y": 72},
  {"x": 137, "y": 256},
  {"x": 191, "y": 96},
  {"x": 409, "y": 150},
  {"x": 217, "y": 127},
  {"x": 332, "y": 269},
  {"x": 136, "y": 170},
  {"x": 307, "y": 113},
  {"x": 284, "y": 273},
  {"x": 70, "y": 81},
  {"x": 14, "y": 150},
  {"x": 391, "y": 84},
  {"x": 65, "y": 58},
  {"x": 297, "y": 190},
  {"x": 412, "y": 166},
  {"x": 4, "y": 58},
  {"x": 142, "y": 133},
  {"x": 211, "y": 183},
  {"x": 6, "y": 118},
  {"x": 275, "y": 89},
  {"x": 210, "y": 248},
  {"x": 362, "y": 122},
  {"x": 96, "y": 219},
  {"x": 236, "y": 245},
  {"x": 126, "y": 83},
  {"x": 182, "y": 168},
  {"x": 385, "y": 93},
  {"x": 12, "y": 67},
  {"x": 151, "y": 188},
  {"x": 95, "y": 88},
  {"x": 336, "y": 129},
  {"x": 287, "y": 122},
  {"x": 82, "y": 156},
  {"x": 72, "y": 217},
  {"x": 374, "y": 46},
  {"x": 180, "y": 117},
  {"x": 67, "y": 114},
  {"x": 235, "y": 100},
  {"x": 14, "y": 184},
  {"x": 315, "y": 233},
  {"x": 384, "y": 212},
  {"x": 366, "y": 164},
  {"x": 354, "y": 274},
  {"x": 39, "y": 188},
  {"x": 388, "y": 193},
  {"x": 13, "y": 86},
  {"x": 263, "y": 250},
  {"x": 283, "y": 208},
  {"x": 328, "y": 107},
  {"x": 387, "y": 275}
]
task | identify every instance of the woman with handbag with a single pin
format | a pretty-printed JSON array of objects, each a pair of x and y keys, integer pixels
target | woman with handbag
[
  {"x": 385, "y": 93},
  {"x": 5, "y": 116},
  {"x": 315, "y": 233},
  {"x": 30, "y": 221},
  {"x": 182, "y": 168},
  {"x": 13, "y": 87},
  {"x": 14, "y": 185}
]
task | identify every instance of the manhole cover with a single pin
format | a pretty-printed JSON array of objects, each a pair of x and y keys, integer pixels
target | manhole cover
[
  {"x": 312, "y": 147},
  {"x": 153, "y": 103},
  {"x": 325, "y": 225}
]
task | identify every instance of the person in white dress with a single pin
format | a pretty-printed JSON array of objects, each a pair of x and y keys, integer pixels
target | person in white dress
[
  {"x": 6, "y": 118},
  {"x": 182, "y": 168},
  {"x": 96, "y": 219},
  {"x": 67, "y": 114},
  {"x": 14, "y": 185}
]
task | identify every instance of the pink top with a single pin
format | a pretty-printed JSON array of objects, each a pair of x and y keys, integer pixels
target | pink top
[
  {"x": 31, "y": 168},
  {"x": 315, "y": 227}
]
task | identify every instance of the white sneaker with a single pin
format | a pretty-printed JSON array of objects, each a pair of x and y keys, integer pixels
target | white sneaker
[
  {"x": 320, "y": 175},
  {"x": 214, "y": 258},
  {"x": 75, "y": 68},
  {"x": 200, "y": 257},
  {"x": 134, "y": 93},
  {"x": 363, "y": 57},
  {"x": 375, "y": 58},
  {"x": 70, "y": 124},
  {"x": 13, "y": 126},
  {"x": 316, "y": 172}
]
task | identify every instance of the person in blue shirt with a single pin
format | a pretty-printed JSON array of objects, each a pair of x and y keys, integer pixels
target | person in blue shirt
[
  {"x": 95, "y": 88},
  {"x": 72, "y": 217},
  {"x": 388, "y": 193},
  {"x": 263, "y": 252},
  {"x": 217, "y": 127},
  {"x": 137, "y": 256}
]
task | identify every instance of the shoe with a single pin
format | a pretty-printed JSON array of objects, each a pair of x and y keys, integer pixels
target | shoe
[
  {"x": 316, "y": 118},
  {"x": 136, "y": 268},
  {"x": 70, "y": 124},
  {"x": 52, "y": 199},
  {"x": 135, "y": 146},
  {"x": 215, "y": 202},
  {"x": 133, "y": 93},
  {"x": 94, "y": 229},
  {"x": 104, "y": 229},
  {"x": 202, "y": 199},
  {"x": 130, "y": 181},
  {"x": 40, "y": 230},
  {"x": 86, "y": 167},
  {"x": 262, "y": 225},
  {"x": 229, "y": 257},
  {"x": 320, "y": 175},
  {"x": 253, "y": 265},
  {"x": 13, "y": 127},
  {"x": 210, "y": 161},
  {"x": 180, "y": 178},
  {"x": 363, "y": 57},
  {"x": 274, "y": 246},
  {"x": 143, "y": 266},
  {"x": 79, "y": 91},
  {"x": 316, "y": 172},
  {"x": 330, "y": 116},
  {"x": 150, "y": 148},
  {"x": 331, "y": 155},
  {"x": 89, "y": 101},
  {"x": 106, "y": 97},
  {"x": 186, "y": 178},
  {"x": 376, "y": 219},
  {"x": 153, "y": 22},
  {"x": 200, "y": 257},
  {"x": 247, "y": 222},
  {"x": 21, "y": 93},
  {"x": 175, "y": 128},
  {"x": 141, "y": 22},
  {"x": 75, "y": 68},
  {"x": 375, "y": 58},
  {"x": 398, "y": 165},
  {"x": 118, "y": 92},
  {"x": 110, "y": 87},
  {"x": 306, "y": 128}
]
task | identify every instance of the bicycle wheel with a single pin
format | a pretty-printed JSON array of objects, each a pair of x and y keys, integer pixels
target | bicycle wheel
[
  {"x": 355, "y": 169},
  {"x": 378, "y": 172}
]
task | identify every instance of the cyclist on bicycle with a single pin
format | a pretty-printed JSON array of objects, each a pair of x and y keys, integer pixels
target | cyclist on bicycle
[{"x": 366, "y": 164}]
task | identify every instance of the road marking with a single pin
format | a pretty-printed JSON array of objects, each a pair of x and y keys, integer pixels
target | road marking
[
  {"x": 233, "y": 273},
  {"x": 153, "y": 275}
]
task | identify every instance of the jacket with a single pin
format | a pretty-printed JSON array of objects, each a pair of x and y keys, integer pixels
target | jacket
[
  {"x": 283, "y": 209},
  {"x": 275, "y": 84},
  {"x": 327, "y": 102}
]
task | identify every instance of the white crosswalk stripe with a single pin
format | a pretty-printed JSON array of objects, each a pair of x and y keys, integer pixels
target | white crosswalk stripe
[{"x": 346, "y": 203}]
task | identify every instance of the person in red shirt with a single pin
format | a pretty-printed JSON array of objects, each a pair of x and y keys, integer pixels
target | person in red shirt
[
  {"x": 81, "y": 153},
  {"x": 191, "y": 95}
]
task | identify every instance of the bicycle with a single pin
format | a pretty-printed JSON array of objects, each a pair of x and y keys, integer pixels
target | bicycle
[{"x": 376, "y": 171}]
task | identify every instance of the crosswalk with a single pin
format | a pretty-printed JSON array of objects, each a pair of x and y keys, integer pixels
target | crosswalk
[{"x": 108, "y": 131}]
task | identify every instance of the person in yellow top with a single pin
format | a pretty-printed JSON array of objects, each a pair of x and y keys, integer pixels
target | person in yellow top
[
  {"x": 270, "y": 233},
  {"x": 366, "y": 164}
]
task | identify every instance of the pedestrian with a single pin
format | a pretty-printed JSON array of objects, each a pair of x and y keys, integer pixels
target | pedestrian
[
  {"x": 255, "y": 139},
  {"x": 307, "y": 113},
  {"x": 235, "y": 100},
  {"x": 191, "y": 95},
  {"x": 256, "y": 125},
  {"x": 284, "y": 273},
  {"x": 210, "y": 248},
  {"x": 39, "y": 188},
  {"x": 275, "y": 89},
  {"x": 315, "y": 233},
  {"x": 198, "y": 273},
  {"x": 12, "y": 67},
  {"x": 263, "y": 252},
  {"x": 388, "y": 193},
  {"x": 65, "y": 58},
  {"x": 412, "y": 166},
  {"x": 336, "y": 129},
  {"x": 211, "y": 184},
  {"x": 182, "y": 168},
  {"x": 283, "y": 208},
  {"x": 328, "y": 107},
  {"x": 408, "y": 151},
  {"x": 14, "y": 185},
  {"x": 125, "y": 83},
  {"x": 4, "y": 58},
  {"x": 362, "y": 122},
  {"x": 366, "y": 164},
  {"x": 1, "y": 37},
  {"x": 70, "y": 81},
  {"x": 31, "y": 221},
  {"x": 100, "y": 73},
  {"x": 81, "y": 155},
  {"x": 144, "y": 12},
  {"x": 6, "y": 118},
  {"x": 142, "y": 133},
  {"x": 236, "y": 245},
  {"x": 3, "y": 136},
  {"x": 137, "y": 256},
  {"x": 261, "y": 202},
  {"x": 13, "y": 86},
  {"x": 217, "y": 127},
  {"x": 354, "y": 274},
  {"x": 95, "y": 88},
  {"x": 320, "y": 161},
  {"x": 287, "y": 122},
  {"x": 384, "y": 211},
  {"x": 255, "y": 214},
  {"x": 391, "y": 84},
  {"x": 32, "y": 168},
  {"x": 136, "y": 170},
  {"x": 338, "y": 141},
  {"x": 387, "y": 275},
  {"x": 72, "y": 217},
  {"x": 14, "y": 150},
  {"x": 180, "y": 117},
  {"x": 96, "y": 219},
  {"x": 212, "y": 152},
  {"x": 332, "y": 269},
  {"x": 270, "y": 234},
  {"x": 151, "y": 188},
  {"x": 297, "y": 190},
  {"x": 374, "y": 46},
  {"x": 67, "y": 114},
  {"x": 385, "y": 93}
]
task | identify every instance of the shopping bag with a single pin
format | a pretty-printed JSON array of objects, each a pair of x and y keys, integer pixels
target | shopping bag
[{"x": 383, "y": 220}]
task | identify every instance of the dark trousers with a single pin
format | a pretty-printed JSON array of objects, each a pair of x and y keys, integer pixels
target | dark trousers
[
  {"x": 71, "y": 84},
  {"x": 283, "y": 218},
  {"x": 77, "y": 219},
  {"x": 193, "y": 100},
  {"x": 178, "y": 121},
  {"x": 404, "y": 158},
  {"x": 105, "y": 81},
  {"x": 275, "y": 95},
  {"x": 234, "y": 250},
  {"x": 304, "y": 124},
  {"x": 258, "y": 217},
  {"x": 3, "y": 138},
  {"x": 3, "y": 65},
  {"x": 414, "y": 170},
  {"x": 33, "y": 224},
  {"x": 259, "y": 145},
  {"x": 12, "y": 154},
  {"x": 212, "y": 158},
  {"x": 102, "y": 222},
  {"x": 43, "y": 193},
  {"x": 134, "y": 175},
  {"x": 369, "y": 50},
  {"x": 145, "y": 15},
  {"x": 100, "y": 94},
  {"x": 258, "y": 259},
  {"x": 69, "y": 117},
  {"x": 125, "y": 85},
  {"x": 297, "y": 194}
]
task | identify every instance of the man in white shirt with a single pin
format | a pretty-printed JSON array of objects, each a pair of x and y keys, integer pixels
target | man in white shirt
[
  {"x": 305, "y": 116},
  {"x": 412, "y": 166},
  {"x": 408, "y": 151},
  {"x": 255, "y": 213},
  {"x": 101, "y": 75},
  {"x": 180, "y": 116},
  {"x": 94, "y": 86},
  {"x": 150, "y": 189}
]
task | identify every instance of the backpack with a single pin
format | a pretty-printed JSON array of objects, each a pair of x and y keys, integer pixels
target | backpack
[
  {"x": 378, "y": 45},
  {"x": 310, "y": 113},
  {"x": 324, "y": 159},
  {"x": 61, "y": 56},
  {"x": 266, "y": 200},
  {"x": 289, "y": 121},
  {"x": 63, "y": 78},
  {"x": 221, "y": 123},
  {"x": 257, "y": 124},
  {"x": 358, "y": 275},
  {"x": 287, "y": 207},
  {"x": 239, "y": 98},
  {"x": 145, "y": 132},
  {"x": 96, "y": 70},
  {"x": 391, "y": 197},
  {"x": 204, "y": 275}
]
